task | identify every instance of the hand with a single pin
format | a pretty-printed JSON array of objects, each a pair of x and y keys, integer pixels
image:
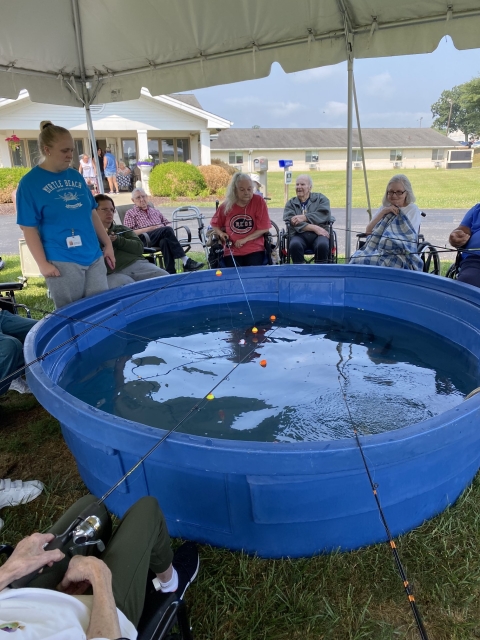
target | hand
[
  {"x": 49, "y": 270},
  {"x": 298, "y": 219},
  {"x": 458, "y": 238},
  {"x": 240, "y": 243},
  {"x": 390, "y": 209},
  {"x": 29, "y": 556},
  {"x": 109, "y": 255},
  {"x": 113, "y": 237},
  {"x": 223, "y": 236},
  {"x": 81, "y": 574},
  {"x": 320, "y": 231}
]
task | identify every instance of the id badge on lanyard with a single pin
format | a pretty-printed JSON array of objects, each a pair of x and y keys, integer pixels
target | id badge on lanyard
[{"x": 73, "y": 240}]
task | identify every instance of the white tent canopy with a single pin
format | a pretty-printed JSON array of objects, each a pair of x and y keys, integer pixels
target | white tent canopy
[
  {"x": 170, "y": 46},
  {"x": 98, "y": 51}
]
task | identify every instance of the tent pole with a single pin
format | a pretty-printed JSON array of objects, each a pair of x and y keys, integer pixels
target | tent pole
[
  {"x": 360, "y": 138},
  {"x": 348, "y": 221},
  {"x": 86, "y": 97}
]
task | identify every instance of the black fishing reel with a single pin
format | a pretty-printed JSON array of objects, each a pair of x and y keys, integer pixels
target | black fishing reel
[{"x": 84, "y": 536}]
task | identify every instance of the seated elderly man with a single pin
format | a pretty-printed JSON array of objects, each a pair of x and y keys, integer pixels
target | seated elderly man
[
  {"x": 88, "y": 596},
  {"x": 467, "y": 236},
  {"x": 130, "y": 265},
  {"x": 145, "y": 219},
  {"x": 308, "y": 214}
]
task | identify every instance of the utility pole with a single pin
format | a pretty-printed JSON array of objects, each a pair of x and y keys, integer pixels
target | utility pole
[
  {"x": 420, "y": 120},
  {"x": 450, "y": 114}
]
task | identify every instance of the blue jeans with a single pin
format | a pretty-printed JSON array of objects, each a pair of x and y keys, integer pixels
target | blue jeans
[{"x": 13, "y": 331}]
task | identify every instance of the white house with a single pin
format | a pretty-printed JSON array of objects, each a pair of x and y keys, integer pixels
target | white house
[
  {"x": 170, "y": 127},
  {"x": 326, "y": 149}
]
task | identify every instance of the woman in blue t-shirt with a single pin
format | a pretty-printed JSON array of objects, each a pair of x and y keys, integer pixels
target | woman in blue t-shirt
[
  {"x": 57, "y": 214},
  {"x": 467, "y": 236}
]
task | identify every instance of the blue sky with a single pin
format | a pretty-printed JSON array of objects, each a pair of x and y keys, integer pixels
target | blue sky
[{"x": 392, "y": 92}]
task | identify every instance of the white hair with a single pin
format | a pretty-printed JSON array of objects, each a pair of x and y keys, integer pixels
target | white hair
[
  {"x": 231, "y": 193},
  {"x": 307, "y": 178},
  {"x": 400, "y": 177},
  {"x": 138, "y": 191}
]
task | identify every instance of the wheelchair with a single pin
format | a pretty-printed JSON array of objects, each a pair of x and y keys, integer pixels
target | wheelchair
[
  {"x": 427, "y": 252},
  {"x": 332, "y": 257},
  {"x": 215, "y": 249},
  {"x": 164, "y": 615},
  {"x": 7, "y": 298},
  {"x": 454, "y": 269}
]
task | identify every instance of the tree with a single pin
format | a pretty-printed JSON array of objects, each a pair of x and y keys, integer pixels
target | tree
[
  {"x": 461, "y": 114},
  {"x": 470, "y": 100}
]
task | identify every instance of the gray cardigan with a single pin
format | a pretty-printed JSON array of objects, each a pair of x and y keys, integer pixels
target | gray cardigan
[{"x": 318, "y": 212}]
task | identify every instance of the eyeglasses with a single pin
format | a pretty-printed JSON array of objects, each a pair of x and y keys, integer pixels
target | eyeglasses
[
  {"x": 140, "y": 198},
  {"x": 395, "y": 193}
]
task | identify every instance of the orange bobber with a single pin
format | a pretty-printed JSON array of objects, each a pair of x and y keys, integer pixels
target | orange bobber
[
  {"x": 218, "y": 273},
  {"x": 254, "y": 330},
  {"x": 210, "y": 396},
  {"x": 273, "y": 318},
  {"x": 263, "y": 363}
]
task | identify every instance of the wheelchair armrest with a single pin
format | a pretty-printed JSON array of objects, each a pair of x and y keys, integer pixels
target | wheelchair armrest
[
  {"x": 11, "y": 286},
  {"x": 146, "y": 237},
  {"x": 149, "y": 250},
  {"x": 188, "y": 239},
  {"x": 362, "y": 235}
]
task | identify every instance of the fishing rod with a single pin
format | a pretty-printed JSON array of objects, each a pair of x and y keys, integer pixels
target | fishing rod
[
  {"x": 391, "y": 542},
  {"x": 87, "y": 528}
]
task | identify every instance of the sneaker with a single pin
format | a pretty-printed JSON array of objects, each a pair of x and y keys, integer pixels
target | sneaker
[
  {"x": 20, "y": 385},
  {"x": 13, "y": 492},
  {"x": 191, "y": 265},
  {"x": 186, "y": 562}
]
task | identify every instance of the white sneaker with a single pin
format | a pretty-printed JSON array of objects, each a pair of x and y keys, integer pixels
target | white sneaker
[
  {"x": 20, "y": 385},
  {"x": 13, "y": 492}
]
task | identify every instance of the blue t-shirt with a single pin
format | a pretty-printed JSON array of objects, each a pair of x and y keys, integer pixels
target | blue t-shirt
[
  {"x": 59, "y": 205},
  {"x": 472, "y": 220},
  {"x": 111, "y": 163}
]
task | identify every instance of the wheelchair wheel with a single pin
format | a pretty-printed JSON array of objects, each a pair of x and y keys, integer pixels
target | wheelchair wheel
[
  {"x": 430, "y": 259},
  {"x": 283, "y": 247},
  {"x": 274, "y": 233},
  {"x": 452, "y": 272}
]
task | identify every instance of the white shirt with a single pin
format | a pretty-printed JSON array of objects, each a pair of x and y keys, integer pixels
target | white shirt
[
  {"x": 44, "y": 614},
  {"x": 412, "y": 212}
]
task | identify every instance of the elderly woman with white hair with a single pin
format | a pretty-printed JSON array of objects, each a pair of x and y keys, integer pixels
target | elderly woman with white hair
[
  {"x": 393, "y": 232},
  {"x": 242, "y": 221}
]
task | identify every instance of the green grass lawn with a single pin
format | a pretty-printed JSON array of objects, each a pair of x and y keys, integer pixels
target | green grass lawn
[{"x": 349, "y": 596}]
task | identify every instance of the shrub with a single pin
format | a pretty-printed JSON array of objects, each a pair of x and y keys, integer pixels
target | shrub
[
  {"x": 228, "y": 167},
  {"x": 9, "y": 179},
  {"x": 215, "y": 176},
  {"x": 174, "y": 179}
]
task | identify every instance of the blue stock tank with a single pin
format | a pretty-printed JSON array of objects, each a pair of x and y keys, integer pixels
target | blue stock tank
[{"x": 294, "y": 499}]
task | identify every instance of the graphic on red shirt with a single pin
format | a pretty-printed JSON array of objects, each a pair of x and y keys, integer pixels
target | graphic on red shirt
[{"x": 241, "y": 224}]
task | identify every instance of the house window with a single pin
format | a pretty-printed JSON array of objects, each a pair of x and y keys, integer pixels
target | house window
[
  {"x": 33, "y": 152},
  {"x": 129, "y": 152},
  {"x": 153, "y": 150},
  {"x": 78, "y": 147},
  {"x": 437, "y": 154},
  {"x": 311, "y": 156},
  {"x": 235, "y": 157},
  {"x": 356, "y": 155},
  {"x": 173, "y": 149},
  {"x": 396, "y": 155},
  {"x": 18, "y": 156}
]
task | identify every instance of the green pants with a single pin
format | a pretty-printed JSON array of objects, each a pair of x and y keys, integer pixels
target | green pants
[{"x": 140, "y": 542}]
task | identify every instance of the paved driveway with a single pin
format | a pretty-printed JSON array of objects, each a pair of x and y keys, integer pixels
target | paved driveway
[{"x": 436, "y": 226}]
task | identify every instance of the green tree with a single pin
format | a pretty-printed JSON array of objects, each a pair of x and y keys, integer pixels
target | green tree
[
  {"x": 460, "y": 117},
  {"x": 470, "y": 101}
]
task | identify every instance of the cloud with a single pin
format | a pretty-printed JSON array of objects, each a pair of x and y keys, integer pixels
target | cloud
[
  {"x": 304, "y": 77},
  {"x": 396, "y": 119},
  {"x": 380, "y": 85},
  {"x": 335, "y": 109},
  {"x": 274, "y": 109}
]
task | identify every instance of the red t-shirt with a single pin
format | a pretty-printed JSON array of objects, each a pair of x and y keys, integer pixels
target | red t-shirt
[{"x": 241, "y": 221}]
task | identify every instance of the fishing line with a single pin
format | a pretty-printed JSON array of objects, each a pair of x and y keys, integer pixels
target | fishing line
[
  {"x": 228, "y": 244},
  {"x": 408, "y": 590}
]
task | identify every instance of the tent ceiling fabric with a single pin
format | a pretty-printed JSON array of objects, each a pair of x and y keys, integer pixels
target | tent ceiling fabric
[{"x": 170, "y": 46}]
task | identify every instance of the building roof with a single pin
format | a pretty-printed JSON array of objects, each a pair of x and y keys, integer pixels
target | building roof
[
  {"x": 328, "y": 138},
  {"x": 187, "y": 98}
]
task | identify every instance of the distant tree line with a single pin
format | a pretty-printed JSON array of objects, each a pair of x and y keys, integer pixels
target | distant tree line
[{"x": 459, "y": 108}]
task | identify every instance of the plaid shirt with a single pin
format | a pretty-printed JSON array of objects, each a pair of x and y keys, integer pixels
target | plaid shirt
[{"x": 137, "y": 218}]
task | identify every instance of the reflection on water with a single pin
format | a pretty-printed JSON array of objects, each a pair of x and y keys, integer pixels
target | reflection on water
[{"x": 395, "y": 373}]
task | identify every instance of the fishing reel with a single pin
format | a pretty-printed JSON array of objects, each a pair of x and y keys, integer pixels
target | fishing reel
[{"x": 84, "y": 536}]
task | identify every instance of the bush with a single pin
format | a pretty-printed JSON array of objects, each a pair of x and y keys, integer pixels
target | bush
[
  {"x": 174, "y": 179},
  {"x": 9, "y": 179},
  {"x": 228, "y": 167},
  {"x": 215, "y": 176}
]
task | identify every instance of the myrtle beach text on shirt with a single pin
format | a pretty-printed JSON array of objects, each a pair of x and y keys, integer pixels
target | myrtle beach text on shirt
[{"x": 60, "y": 184}]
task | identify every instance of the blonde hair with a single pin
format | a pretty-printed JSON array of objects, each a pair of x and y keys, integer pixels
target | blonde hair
[
  {"x": 49, "y": 133},
  {"x": 400, "y": 177},
  {"x": 231, "y": 194}
]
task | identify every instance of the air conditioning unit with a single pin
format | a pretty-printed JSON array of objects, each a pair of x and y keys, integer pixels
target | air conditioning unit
[
  {"x": 397, "y": 164},
  {"x": 357, "y": 165},
  {"x": 313, "y": 166},
  {"x": 438, "y": 163}
]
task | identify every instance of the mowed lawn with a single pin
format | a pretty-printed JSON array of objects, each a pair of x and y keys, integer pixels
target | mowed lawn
[
  {"x": 434, "y": 188},
  {"x": 341, "y": 596}
]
